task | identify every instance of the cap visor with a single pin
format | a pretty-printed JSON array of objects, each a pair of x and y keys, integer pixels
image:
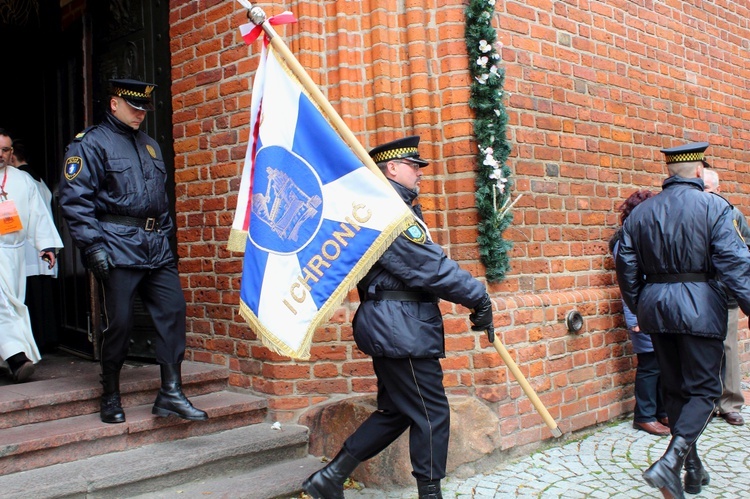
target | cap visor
[
  {"x": 422, "y": 163},
  {"x": 141, "y": 106}
]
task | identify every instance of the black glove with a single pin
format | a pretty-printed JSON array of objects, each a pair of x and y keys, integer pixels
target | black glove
[
  {"x": 481, "y": 318},
  {"x": 99, "y": 263}
]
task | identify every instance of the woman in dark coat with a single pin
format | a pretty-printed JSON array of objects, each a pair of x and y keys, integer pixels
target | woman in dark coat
[{"x": 649, "y": 414}]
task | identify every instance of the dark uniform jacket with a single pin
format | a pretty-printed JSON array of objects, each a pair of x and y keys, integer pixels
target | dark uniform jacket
[
  {"x": 682, "y": 231},
  {"x": 113, "y": 169},
  {"x": 741, "y": 225},
  {"x": 401, "y": 329}
]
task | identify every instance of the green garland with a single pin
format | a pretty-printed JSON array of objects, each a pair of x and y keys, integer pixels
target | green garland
[{"x": 493, "y": 176}]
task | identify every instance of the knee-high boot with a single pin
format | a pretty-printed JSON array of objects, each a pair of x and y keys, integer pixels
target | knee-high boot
[
  {"x": 695, "y": 474},
  {"x": 171, "y": 400},
  {"x": 111, "y": 406},
  {"x": 664, "y": 474},
  {"x": 429, "y": 489},
  {"x": 328, "y": 483}
]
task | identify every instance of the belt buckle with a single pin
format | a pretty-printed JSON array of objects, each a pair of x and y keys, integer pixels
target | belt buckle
[{"x": 150, "y": 224}]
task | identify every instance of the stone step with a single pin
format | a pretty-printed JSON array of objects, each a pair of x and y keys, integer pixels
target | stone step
[
  {"x": 252, "y": 461},
  {"x": 50, "y": 399},
  {"x": 283, "y": 480},
  {"x": 73, "y": 438}
]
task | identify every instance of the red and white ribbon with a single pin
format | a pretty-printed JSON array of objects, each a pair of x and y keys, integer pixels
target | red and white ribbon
[{"x": 251, "y": 31}]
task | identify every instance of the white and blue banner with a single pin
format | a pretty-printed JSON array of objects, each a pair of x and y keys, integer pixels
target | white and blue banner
[{"x": 315, "y": 217}]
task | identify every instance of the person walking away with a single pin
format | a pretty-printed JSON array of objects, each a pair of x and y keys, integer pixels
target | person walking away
[
  {"x": 398, "y": 323},
  {"x": 675, "y": 247},
  {"x": 649, "y": 414},
  {"x": 732, "y": 399},
  {"x": 23, "y": 217},
  {"x": 113, "y": 197}
]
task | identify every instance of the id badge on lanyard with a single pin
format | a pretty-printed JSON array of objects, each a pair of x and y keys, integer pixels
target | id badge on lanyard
[{"x": 10, "y": 220}]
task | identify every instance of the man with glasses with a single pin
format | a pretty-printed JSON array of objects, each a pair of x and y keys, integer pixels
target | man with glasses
[
  {"x": 23, "y": 216},
  {"x": 399, "y": 324}
]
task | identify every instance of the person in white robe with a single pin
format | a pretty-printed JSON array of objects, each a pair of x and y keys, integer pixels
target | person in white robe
[
  {"x": 23, "y": 217},
  {"x": 40, "y": 288}
]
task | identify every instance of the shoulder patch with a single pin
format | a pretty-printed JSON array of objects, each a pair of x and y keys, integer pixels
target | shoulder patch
[
  {"x": 80, "y": 135},
  {"x": 73, "y": 166},
  {"x": 415, "y": 233},
  {"x": 737, "y": 228}
]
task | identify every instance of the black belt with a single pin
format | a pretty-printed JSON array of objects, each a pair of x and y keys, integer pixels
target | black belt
[
  {"x": 405, "y": 296},
  {"x": 686, "y": 277},
  {"x": 147, "y": 224}
]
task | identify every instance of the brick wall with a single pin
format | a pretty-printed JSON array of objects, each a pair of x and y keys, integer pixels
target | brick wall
[{"x": 594, "y": 90}]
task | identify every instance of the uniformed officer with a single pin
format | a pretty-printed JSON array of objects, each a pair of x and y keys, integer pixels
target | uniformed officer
[
  {"x": 113, "y": 197},
  {"x": 675, "y": 247},
  {"x": 399, "y": 324}
]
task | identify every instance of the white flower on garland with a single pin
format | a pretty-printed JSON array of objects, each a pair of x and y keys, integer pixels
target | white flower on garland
[
  {"x": 484, "y": 47},
  {"x": 482, "y": 79},
  {"x": 489, "y": 159},
  {"x": 482, "y": 61},
  {"x": 500, "y": 180}
]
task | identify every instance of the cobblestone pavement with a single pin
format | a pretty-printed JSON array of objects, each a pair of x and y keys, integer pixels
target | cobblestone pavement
[{"x": 605, "y": 464}]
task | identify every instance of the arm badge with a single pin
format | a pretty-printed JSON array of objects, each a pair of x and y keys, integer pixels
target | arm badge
[
  {"x": 415, "y": 233},
  {"x": 73, "y": 166}
]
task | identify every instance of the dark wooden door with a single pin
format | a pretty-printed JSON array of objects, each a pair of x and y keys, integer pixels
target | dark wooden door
[
  {"x": 130, "y": 39},
  {"x": 57, "y": 61}
]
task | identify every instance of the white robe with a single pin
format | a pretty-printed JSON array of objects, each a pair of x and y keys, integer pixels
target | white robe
[
  {"x": 34, "y": 264},
  {"x": 39, "y": 230}
]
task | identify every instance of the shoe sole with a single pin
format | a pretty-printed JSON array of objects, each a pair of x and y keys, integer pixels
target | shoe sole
[
  {"x": 733, "y": 423},
  {"x": 658, "y": 481},
  {"x": 697, "y": 488},
  {"x": 650, "y": 432},
  {"x": 311, "y": 491},
  {"x": 165, "y": 413},
  {"x": 113, "y": 420}
]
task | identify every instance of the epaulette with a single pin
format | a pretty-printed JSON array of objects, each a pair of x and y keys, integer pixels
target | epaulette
[{"x": 79, "y": 135}]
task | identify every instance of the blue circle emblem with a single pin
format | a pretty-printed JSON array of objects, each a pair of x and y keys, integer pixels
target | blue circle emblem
[{"x": 287, "y": 201}]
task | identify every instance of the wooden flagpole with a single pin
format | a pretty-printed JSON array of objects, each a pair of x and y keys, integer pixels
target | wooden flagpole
[{"x": 526, "y": 387}]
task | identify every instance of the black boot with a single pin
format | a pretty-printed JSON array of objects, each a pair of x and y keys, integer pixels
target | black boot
[
  {"x": 429, "y": 489},
  {"x": 664, "y": 474},
  {"x": 695, "y": 474},
  {"x": 111, "y": 407},
  {"x": 328, "y": 483},
  {"x": 171, "y": 400},
  {"x": 21, "y": 368}
]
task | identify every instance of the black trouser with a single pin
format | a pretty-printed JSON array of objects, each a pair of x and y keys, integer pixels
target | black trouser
[
  {"x": 648, "y": 399},
  {"x": 410, "y": 395},
  {"x": 161, "y": 292},
  {"x": 690, "y": 379}
]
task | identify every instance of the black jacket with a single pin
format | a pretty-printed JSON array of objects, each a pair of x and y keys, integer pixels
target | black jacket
[
  {"x": 401, "y": 329},
  {"x": 113, "y": 169},
  {"x": 682, "y": 230}
]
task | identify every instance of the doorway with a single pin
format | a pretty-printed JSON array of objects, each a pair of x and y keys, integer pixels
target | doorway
[{"x": 60, "y": 55}]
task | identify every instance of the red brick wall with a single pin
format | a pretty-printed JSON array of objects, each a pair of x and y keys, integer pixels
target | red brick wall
[{"x": 594, "y": 90}]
